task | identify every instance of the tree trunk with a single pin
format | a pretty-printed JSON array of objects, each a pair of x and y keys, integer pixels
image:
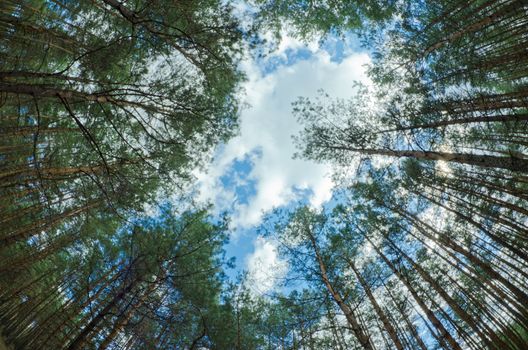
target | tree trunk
[
  {"x": 486, "y": 161},
  {"x": 349, "y": 313},
  {"x": 459, "y": 121},
  {"x": 81, "y": 339},
  {"x": 430, "y": 315},
  {"x": 496, "y": 342},
  {"x": 379, "y": 311}
]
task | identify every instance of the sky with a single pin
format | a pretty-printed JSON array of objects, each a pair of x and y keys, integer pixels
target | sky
[{"x": 255, "y": 171}]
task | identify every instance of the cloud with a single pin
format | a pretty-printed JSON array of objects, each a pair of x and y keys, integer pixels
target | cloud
[
  {"x": 266, "y": 128},
  {"x": 264, "y": 266}
]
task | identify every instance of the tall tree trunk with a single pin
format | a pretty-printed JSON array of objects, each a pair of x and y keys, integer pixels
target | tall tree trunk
[
  {"x": 459, "y": 121},
  {"x": 430, "y": 315},
  {"x": 495, "y": 343},
  {"x": 349, "y": 313},
  {"x": 81, "y": 339},
  {"x": 408, "y": 323},
  {"x": 443, "y": 240},
  {"x": 510, "y": 163},
  {"x": 379, "y": 311}
]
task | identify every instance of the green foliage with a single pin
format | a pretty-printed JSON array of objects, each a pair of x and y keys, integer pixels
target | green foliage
[
  {"x": 308, "y": 19},
  {"x": 108, "y": 106}
]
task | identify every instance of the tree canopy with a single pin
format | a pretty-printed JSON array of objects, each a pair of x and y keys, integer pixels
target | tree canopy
[{"x": 107, "y": 107}]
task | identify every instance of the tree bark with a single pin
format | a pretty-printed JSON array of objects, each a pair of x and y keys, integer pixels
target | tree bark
[
  {"x": 495, "y": 343},
  {"x": 459, "y": 121},
  {"x": 81, "y": 339},
  {"x": 381, "y": 314},
  {"x": 430, "y": 315},
  {"x": 349, "y": 313},
  {"x": 486, "y": 161}
]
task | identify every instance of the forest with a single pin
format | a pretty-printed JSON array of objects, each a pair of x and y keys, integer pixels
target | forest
[{"x": 109, "y": 107}]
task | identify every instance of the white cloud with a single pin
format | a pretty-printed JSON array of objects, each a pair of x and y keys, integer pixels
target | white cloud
[
  {"x": 267, "y": 125},
  {"x": 264, "y": 266}
]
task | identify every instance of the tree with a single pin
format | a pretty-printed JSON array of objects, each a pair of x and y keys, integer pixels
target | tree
[
  {"x": 130, "y": 284},
  {"x": 85, "y": 133},
  {"x": 306, "y": 19}
]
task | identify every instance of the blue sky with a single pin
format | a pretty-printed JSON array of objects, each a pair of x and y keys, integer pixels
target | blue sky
[{"x": 254, "y": 172}]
